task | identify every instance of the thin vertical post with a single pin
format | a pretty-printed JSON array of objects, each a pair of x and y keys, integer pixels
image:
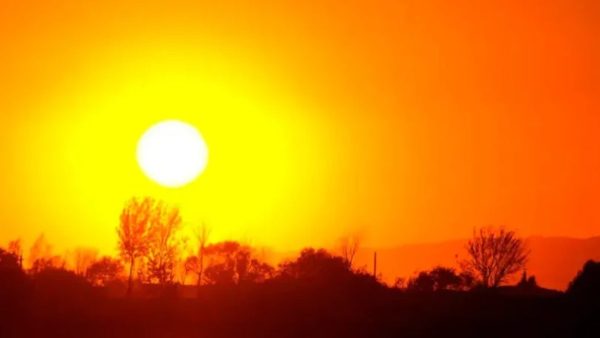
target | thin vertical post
[{"x": 375, "y": 264}]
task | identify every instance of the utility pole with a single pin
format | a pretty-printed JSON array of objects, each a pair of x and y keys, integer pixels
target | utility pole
[{"x": 375, "y": 264}]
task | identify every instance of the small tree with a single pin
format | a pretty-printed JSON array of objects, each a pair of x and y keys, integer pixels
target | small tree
[
  {"x": 494, "y": 255},
  {"x": 446, "y": 278},
  {"x": 422, "y": 282},
  {"x": 348, "y": 246},
  {"x": 15, "y": 247},
  {"x": 8, "y": 261},
  {"x": 82, "y": 259},
  {"x": 13, "y": 282},
  {"x": 47, "y": 263},
  {"x": 438, "y": 278},
  {"x": 230, "y": 262},
  {"x": 162, "y": 244},
  {"x": 40, "y": 249},
  {"x": 195, "y": 263},
  {"x": 221, "y": 267},
  {"x": 317, "y": 265},
  {"x": 133, "y": 232}
]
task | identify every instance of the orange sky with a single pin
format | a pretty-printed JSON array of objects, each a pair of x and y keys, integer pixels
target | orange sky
[{"x": 410, "y": 121}]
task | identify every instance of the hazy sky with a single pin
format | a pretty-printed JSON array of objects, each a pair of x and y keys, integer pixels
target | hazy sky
[{"x": 409, "y": 121}]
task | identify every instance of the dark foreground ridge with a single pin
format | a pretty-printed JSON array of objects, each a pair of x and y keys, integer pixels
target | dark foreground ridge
[{"x": 322, "y": 299}]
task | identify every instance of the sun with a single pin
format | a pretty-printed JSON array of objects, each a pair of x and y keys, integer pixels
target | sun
[{"x": 172, "y": 153}]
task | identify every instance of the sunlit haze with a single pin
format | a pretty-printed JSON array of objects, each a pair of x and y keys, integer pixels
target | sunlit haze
[{"x": 406, "y": 121}]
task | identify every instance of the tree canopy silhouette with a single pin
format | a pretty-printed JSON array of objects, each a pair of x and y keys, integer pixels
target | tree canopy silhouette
[
  {"x": 162, "y": 243},
  {"x": 230, "y": 262},
  {"x": 133, "y": 232},
  {"x": 104, "y": 271},
  {"x": 195, "y": 262},
  {"x": 494, "y": 255},
  {"x": 320, "y": 268},
  {"x": 438, "y": 278},
  {"x": 12, "y": 277}
]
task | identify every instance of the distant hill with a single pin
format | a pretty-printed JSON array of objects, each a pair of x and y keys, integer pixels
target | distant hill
[{"x": 553, "y": 260}]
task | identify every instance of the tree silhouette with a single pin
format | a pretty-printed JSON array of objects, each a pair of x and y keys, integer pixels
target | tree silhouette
[
  {"x": 349, "y": 246},
  {"x": 8, "y": 260},
  {"x": 400, "y": 283},
  {"x": 221, "y": 262},
  {"x": 15, "y": 247},
  {"x": 82, "y": 259},
  {"x": 438, "y": 278},
  {"x": 133, "y": 232},
  {"x": 12, "y": 277},
  {"x": 259, "y": 272},
  {"x": 104, "y": 271},
  {"x": 446, "y": 278},
  {"x": 319, "y": 267},
  {"x": 47, "y": 263},
  {"x": 39, "y": 250},
  {"x": 162, "y": 244},
  {"x": 230, "y": 262},
  {"x": 422, "y": 282},
  {"x": 494, "y": 255},
  {"x": 195, "y": 263}
]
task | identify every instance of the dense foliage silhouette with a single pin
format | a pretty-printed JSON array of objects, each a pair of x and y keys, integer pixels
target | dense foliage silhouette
[
  {"x": 234, "y": 292},
  {"x": 316, "y": 294}
]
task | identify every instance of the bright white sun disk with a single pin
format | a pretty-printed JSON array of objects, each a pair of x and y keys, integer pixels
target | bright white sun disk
[{"x": 172, "y": 153}]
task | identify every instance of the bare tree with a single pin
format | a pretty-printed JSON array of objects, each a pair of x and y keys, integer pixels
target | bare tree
[
  {"x": 203, "y": 234},
  {"x": 195, "y": 262},
  {"x": 82, "y": 259},
  {"x": 15, "y": 247},
  {"x": 39, "y": 250},
  {"x": 41, "y": 257},
  {"x": 133, "y": 232},
  {"x": 494, "y": 255},
  {"x": 348, "y": 246},
  {"x": 163, "y": 244}
]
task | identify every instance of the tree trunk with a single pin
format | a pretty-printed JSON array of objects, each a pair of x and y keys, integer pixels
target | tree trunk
[
  {"x": 200, "y": 271},
  {"x": 130, "y": 284}
]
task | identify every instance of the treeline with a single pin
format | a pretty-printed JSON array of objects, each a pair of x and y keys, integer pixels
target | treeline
[
  {"x": 153, "y": 250},
  {"x": 317, "y": 294},
  {"x": 164, "y": 283}
]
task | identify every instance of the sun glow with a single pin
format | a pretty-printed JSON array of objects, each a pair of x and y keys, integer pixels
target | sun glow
[{"x": 172, "y": 153}]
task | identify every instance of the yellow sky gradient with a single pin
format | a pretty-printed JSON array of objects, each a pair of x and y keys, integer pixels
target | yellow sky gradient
[{"x": 410, "y": 121}]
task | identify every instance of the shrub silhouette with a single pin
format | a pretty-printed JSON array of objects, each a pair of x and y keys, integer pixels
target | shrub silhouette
[
  {"x": 527, "y": 283},
  {"x": 104, "y": 271},
  {"x": 13, "y": 281},
  {"x": 322, "y": 269},
  {"x": 60, "y": 287},
  {"x": 586, "y": 285},
  {"x": 439, "y": 278},
  {"x": 231, "y": 263}
]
